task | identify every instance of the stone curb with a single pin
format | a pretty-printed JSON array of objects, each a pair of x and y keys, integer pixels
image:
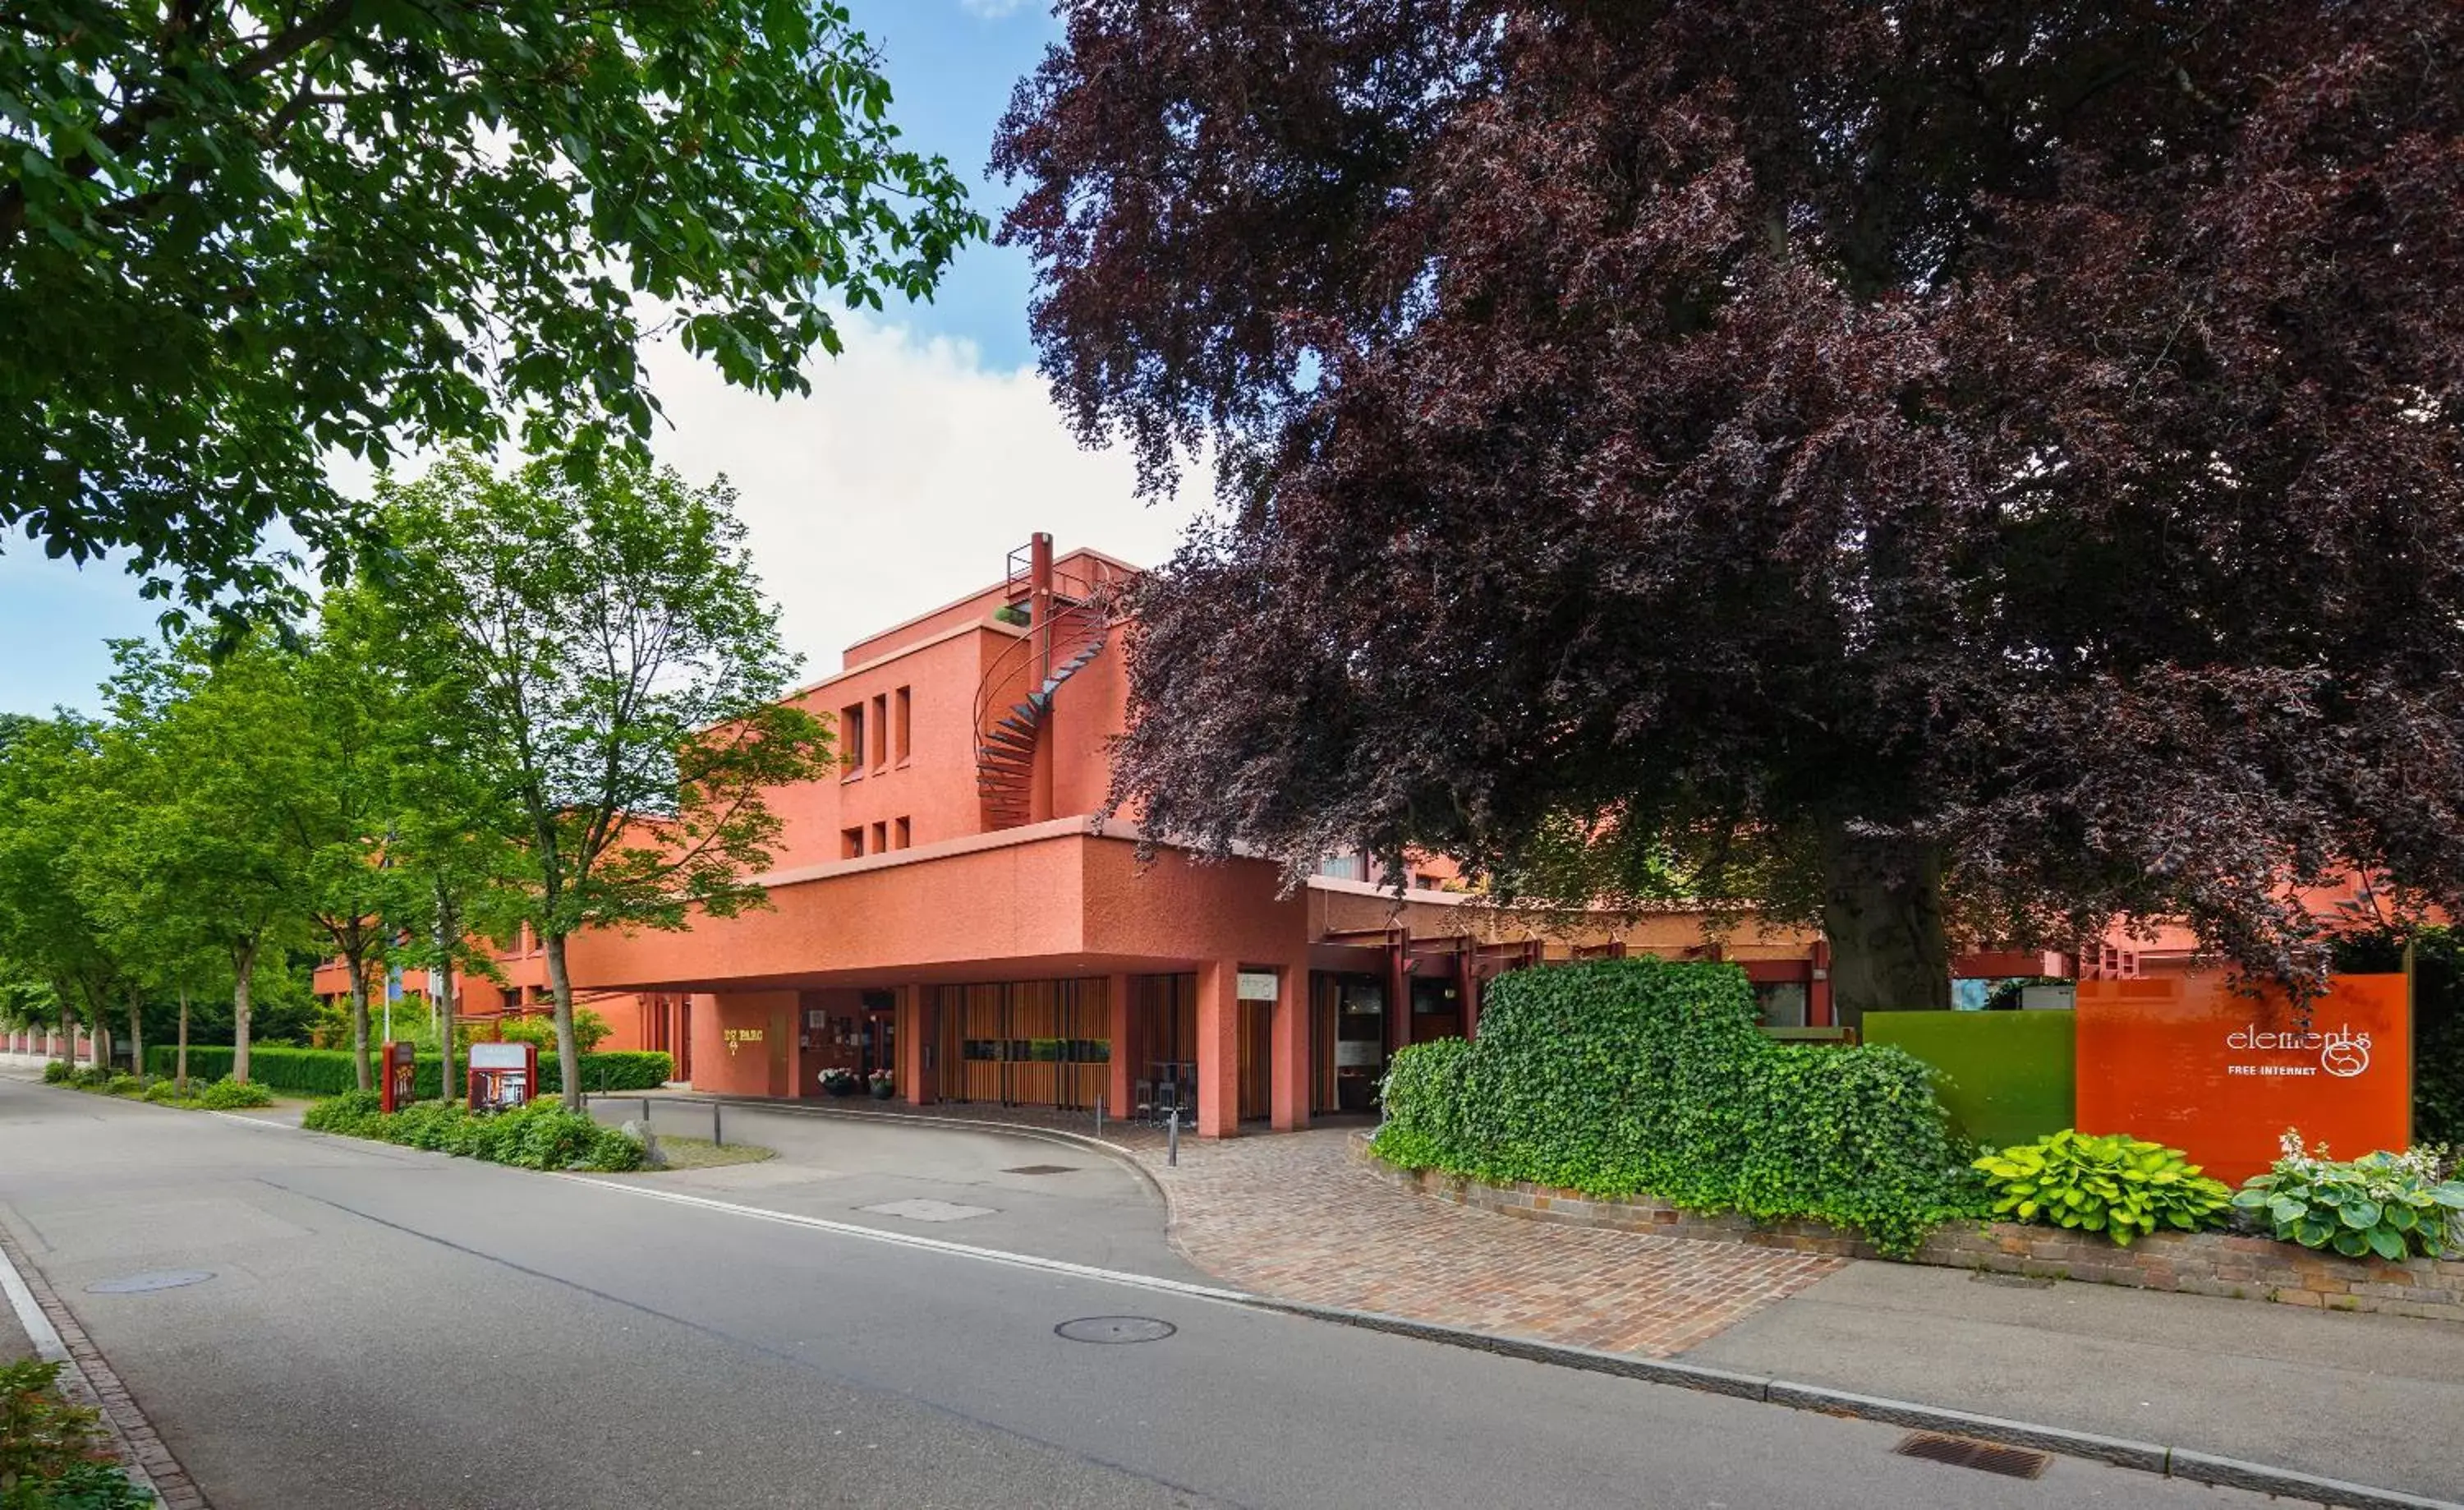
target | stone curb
[
  {"x": 2150, "y": 1458},
  {"x": 87, "y": 1379}
]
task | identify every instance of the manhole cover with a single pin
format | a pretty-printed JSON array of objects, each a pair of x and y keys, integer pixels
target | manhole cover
[
  {"x": 1042, "y": 1168},
  {"x": 1116, "y": 1329},
  {"x": 140, "y": 1283}
]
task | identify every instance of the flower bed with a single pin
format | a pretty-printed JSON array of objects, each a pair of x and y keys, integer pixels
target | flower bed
[{"x": 2193, "y": 1263}]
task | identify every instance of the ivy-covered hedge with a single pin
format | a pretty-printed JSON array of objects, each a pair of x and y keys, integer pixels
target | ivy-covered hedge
[
  {"x": 328, "y": 1072},
  {"x": 1620, "y": 1077}
]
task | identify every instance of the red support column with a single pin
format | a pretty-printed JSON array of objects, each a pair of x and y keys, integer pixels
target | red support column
[
  {"x": 1818, "y": 995},
  {"x": 1118, "y": 1095},
  {"x": 915, "y": 1037},
  {"x": 1218, "y": 1049},
  {"x": 1288, "y": 1032}
]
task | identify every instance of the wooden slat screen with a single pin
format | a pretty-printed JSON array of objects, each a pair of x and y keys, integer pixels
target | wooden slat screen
[{"x": 1025, "y": 1043}]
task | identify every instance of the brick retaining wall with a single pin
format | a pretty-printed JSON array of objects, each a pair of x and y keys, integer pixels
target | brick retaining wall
[{"x": 2196, "y": 1263}]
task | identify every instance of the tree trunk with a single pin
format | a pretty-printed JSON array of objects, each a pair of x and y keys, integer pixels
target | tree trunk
[
  {"x": 569, "y": 1062},
  {"x": 360, "y": 1018},
  {"x": 102, "y": 1041},
  {"x": 180, "y": 1081},
  {"x": 1882, "y": 913},
  {"x": 136, "y": 1034},
  {"x": 448, "y": 935},
  {"x": 243, "y": 990}
]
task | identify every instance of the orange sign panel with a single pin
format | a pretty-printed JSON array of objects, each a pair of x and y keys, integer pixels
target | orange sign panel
[{"x": 2191, "y": 1061}]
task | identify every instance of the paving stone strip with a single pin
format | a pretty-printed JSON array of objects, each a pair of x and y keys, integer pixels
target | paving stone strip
[
  {"x": 89, "y": 1380},
  {"x": 1296, "y": 1216}
]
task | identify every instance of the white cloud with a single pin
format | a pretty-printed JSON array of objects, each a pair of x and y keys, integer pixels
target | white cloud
[
  {"x": 992, "y": 10},
  {"x": 902, "y": 482}
]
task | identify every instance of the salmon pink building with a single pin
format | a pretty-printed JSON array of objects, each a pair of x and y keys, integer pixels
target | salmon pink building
[{"x": 947, "y": 909}]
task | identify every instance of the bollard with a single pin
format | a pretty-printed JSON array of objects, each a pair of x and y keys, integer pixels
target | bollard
[
  {"x": 717, "y": 1139},
  {"x": 1099, "y": 1117},
  {"x": 1172, "y": 1139},
  {"x": 646, "y": 1113}
]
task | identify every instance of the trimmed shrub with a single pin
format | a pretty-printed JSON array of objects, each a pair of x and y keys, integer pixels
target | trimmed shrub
[
  {"x": 124, "y": 1085},
  {"x": 589, "y": 1030},
  {"x": 1624, "y": 1077},
  {"x": 91, "y": 1076},
  {"x": 228, "y": 1094},
  {"x": 346, "y": 1113},
  {"x": 2123, "y": 1186},
  {"x": 540, "y": 1135},
  {"x": 162, "y": 1091},
  {"x": 328, "y": 1072},
  {"x": 59, "y": 1072}
]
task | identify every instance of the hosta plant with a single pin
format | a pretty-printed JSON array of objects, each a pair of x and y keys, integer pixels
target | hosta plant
[
  {"x": 2393, "y": 1205},
  {"x": 2123, "y": 1186}
]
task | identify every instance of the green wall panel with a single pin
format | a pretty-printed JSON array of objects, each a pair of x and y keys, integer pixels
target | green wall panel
[{"x": 2012, "y": 1075}]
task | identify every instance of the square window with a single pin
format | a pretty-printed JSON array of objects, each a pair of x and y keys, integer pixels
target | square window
[
  {"x": 880, "y": 838},
  {"x": 851, "y": 843},
  {"x": 901, "y": 835}
]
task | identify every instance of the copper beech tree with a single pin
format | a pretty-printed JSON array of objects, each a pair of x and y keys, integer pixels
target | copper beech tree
[{"x": 1942, "y": 471}]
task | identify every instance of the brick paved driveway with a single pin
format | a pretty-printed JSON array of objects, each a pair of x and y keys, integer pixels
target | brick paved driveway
[{"x": 1296, "y": 1215}]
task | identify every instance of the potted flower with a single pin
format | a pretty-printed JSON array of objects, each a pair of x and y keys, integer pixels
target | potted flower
[
  {"x": 838, "y": 1081},
  {"x": 883, "y": 1087}
]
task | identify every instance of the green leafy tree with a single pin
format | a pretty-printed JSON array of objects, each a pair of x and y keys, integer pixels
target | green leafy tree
[
  {"x": 236, "y": 239},
  {"x": 209, "y": 852},
  {"x": 55, "y": 799},
  {"x": 611, "y": 671},
  {"x": 352, "y": 718},
  {"x": 451, "y": 846}
]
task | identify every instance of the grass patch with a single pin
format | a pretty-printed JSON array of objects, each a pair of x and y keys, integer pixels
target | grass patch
[{"x": 700, "y": 1153}]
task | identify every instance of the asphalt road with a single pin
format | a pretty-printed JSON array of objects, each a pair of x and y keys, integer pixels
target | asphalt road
[
  {"x": 1038, "y": 1196},
  {"x": 389, "y": 1328}
]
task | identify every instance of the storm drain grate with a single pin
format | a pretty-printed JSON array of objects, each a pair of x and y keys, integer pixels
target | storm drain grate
[
  {"x": 1042, "y": 1168},
  {"x": 2012, "y": 1462}
]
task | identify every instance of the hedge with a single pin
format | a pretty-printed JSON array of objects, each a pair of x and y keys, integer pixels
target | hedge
[
  {"x": 1620, "y": 1077},
  {"x": 328, "y": 1072},
  {"x": 540, "y": 1135}
]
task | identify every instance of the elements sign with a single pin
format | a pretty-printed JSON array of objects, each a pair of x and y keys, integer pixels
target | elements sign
[{"x": 2192, "y": 1061}]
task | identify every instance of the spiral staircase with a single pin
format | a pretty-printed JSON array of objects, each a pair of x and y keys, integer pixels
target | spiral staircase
[{"x": 1079, "y": 616}]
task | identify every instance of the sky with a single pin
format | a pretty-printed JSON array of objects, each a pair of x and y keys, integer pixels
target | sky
[{"x": 924, "y": 454}]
